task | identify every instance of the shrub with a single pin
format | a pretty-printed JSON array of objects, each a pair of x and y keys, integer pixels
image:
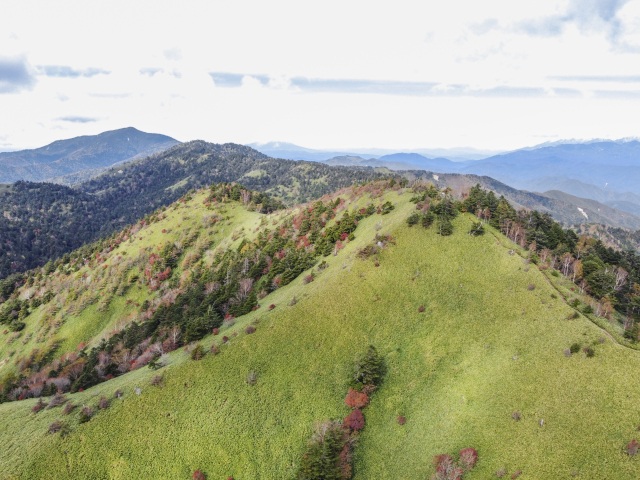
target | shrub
[
  {"x": 38, "y": 406},
  {"x": 59, "y": 426},
  {"x": 413, "y": 219},
  {"x": 531, "y": 286},
  {"x": 309, "y": 278},
  {"x": 516, "y": 474},
  {"x": 198, "y": 352},
  {"x": 477, "y": 229},
  {"x": 57, "y": 400},
  {"x": 589, "y": 351},
  {"x": 446, "y": 468},
  {"x": 214, "y": 349},
  {"x": 252, "y": 378},
  {"x": 216, "y": 331},
  {"x": 421, "y": 308},
  {"x": 55, "y": 427},
  {"x": 356, "y": 399},
  {"x": 501, "y": 472},
  {"x": 199, "y": 475},
  {"x": 85, "y": 414},
  {"x": 370, "y": 368},
  {"x": 401, "y": 420},
  {"x": 157, "y": 381},
  {"x": 225, "y": 339},
  {"x": 516, "y": 416},
  {"x": 68, "y": 408},
  {"x": 272, "y": 306},
  {"x": 575, "y": 347},
  {"x": 468, "y": 458},
  {"x": 354, "y": 421},
  {"x": 103, "y": 403},
  {"x": 250, "y": 329},
  {"x": 632, "y": 447}
]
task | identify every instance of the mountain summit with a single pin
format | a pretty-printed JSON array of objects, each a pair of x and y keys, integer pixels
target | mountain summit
[{"x": 74, "y": 155}]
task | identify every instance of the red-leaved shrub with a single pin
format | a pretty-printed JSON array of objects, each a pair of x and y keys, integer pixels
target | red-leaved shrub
[
  {"x": 446, "y": 468},
  {"x": 356, "y": 399},
  {"x": 38, "y": 406},
  {"x": 401, "y": 420},
  {"x": 468, "y": 458},
  {"x": 354, "y": 421},
  {"x": 199, "y": 475},
  {"x": 632, "y": 447}
]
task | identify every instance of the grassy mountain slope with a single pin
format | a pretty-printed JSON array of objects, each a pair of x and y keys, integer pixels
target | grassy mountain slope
[{"x": 489, "y": 343}]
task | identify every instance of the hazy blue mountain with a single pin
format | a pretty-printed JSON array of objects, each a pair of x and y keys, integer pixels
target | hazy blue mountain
[
  {"x": 601, "y": 170},
  {"x": 295, "y": 152},
  {"x": 424, "y": 163},
  {"x": 565, "y": 208},
  {"x": 398, "y": 161},
  {"x": 289, "y": 151},
  {"x": 89, "y": 152}
]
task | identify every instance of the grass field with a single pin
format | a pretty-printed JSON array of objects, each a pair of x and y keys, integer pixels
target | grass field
[{"x": 489, "y": 343}]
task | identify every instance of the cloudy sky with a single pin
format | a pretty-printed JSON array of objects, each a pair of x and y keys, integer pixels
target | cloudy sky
[{"x": 495, "y": 74}]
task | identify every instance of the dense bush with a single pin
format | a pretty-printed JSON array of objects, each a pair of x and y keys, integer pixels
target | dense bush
[
  {"x": 369, "y": 369},
  {"x": 322, "y": 458},
  {"x": 55, "y": 427},
  {"x": 448, "y": 469},
  {"x": 198, "y": 352},
  {"x": 356, "y": 399},
  {"x": 354, "y": 421},
  {"x": 85, "y": 414}
]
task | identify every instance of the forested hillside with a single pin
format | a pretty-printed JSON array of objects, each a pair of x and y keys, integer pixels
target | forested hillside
[{"x": 43, "y": 221}]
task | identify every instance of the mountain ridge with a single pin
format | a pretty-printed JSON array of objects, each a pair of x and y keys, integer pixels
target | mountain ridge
[{"x": 73, "y": 155}]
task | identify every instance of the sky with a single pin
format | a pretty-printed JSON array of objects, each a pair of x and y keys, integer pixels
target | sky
[{"x": 492, "y": 75}]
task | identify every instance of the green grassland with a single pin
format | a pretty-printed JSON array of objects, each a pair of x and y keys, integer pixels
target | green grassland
[
  {"x": 490, "y": 342},
  {"x": 98, "y": 298}
]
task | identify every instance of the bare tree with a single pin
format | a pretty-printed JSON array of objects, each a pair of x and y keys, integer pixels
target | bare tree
[{"x": 621, "y": 278}]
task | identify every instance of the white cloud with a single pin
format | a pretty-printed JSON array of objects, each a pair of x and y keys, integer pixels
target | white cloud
[{"x": 405, "y": 74}]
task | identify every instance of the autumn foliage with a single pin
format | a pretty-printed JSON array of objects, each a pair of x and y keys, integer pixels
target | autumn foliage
[
  {"x": 354, "y": 421},
  {"x": 356, "y": 399}
]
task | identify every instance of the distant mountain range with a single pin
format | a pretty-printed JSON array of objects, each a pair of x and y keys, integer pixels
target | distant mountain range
[
  {"x": 603, "y": 170},
  {"x": 76, "y": 155},
  {"x": 291, "y": 151}
]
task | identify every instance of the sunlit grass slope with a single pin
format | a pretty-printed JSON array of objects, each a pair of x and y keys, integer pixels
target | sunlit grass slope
[
  {"x": 93, "y": 300},
  {"x": 489, "y": 343}
]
